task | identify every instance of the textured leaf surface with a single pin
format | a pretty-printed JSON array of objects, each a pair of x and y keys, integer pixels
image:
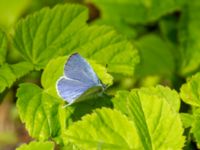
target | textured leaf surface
[
  {"x": 37, "y": 146},
  {"x": 190, "y": 91},
  {"x": 156, "y": 57},
  {"x": 63, "y": 30},
  {"x": 41, "y": 35},
  {"x": 187, "y": 119},
  {"x": 10, "y": 73},
  {"x": 153, "y": 123},
  {"x": 39, "y": 111},
  {"x": 155, "y": 116},
  {"x": 195, "y": 126},
  {"x": 104, "y": 45},
  {"x": 3, "y": 47},
  {"x": 104, "y": 129},
  {"x": 189, "y": 34},
  {"x": 137, "y": 11}
]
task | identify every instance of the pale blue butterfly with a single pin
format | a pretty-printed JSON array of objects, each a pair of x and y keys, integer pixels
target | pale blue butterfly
[{"x": 79, "y": 80}]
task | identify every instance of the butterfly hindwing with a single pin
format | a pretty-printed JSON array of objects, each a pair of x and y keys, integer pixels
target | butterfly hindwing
[{"x": 70, "y": 89}]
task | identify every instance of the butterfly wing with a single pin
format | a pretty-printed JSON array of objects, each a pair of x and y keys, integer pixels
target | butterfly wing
[
  {"x": 70, "y": 90},
  {"x": 77, "y": 68}
]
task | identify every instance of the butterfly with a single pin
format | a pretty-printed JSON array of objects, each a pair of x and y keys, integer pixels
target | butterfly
[{"x": 79, "y": 80}]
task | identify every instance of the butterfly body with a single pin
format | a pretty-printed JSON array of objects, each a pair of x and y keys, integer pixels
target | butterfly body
[{"x": 79, "y": 80}]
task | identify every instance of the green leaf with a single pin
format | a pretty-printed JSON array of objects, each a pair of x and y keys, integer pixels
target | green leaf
[
  {"x": 103, "y": 129},
  {"x": 189, "y": 34},
  {"x": 155, "y": 116},
  {"x": 137, "y": 116},
  {"x": 54, "y": 27},
  {"x": 10, "y": 73},
  {"x": 187, "y": 119},
  {"x": 156, "y": 57},
  {"x": 190, "y": 91},
  {"x": 104, "y": 45},
  {"x": 3, "y": 47},
  {"x": 137, "y": 11},
  {"x": 37, "y": 145},
  {"x": 55, "y": 69},
  {"x": 42, "y": 113},
  {"x": 195, "y": 126},
  {"x": 63, "y": 34},
  {"x": 41, "y": 109}
]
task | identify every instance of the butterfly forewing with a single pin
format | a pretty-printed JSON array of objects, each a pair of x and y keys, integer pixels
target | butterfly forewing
[{"x": 78, "y": 68}]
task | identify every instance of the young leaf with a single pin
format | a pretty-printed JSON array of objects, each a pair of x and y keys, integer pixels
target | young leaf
[
  {"x": 103, "y": 129},
  {"x": 155, "y": 116},
  {"x": 195, "y": 126},
  {"x": 40, "y": 36},
  {"x": 37, "y": 146},
  {"x": 189, "y": 34},
  {"x": 105, "y": 46},
  {"x": 39, "y": 111},
  {"x": 190, "y": 91},
  {"x": 156, "y": 57},
  {"x": 134, "y": 11},
  {"x": 10, "y": 73},
  {"x": 187, "y": 119},
  {"x": 3, "y": 47},
  {"x": 63, "y": 30}
]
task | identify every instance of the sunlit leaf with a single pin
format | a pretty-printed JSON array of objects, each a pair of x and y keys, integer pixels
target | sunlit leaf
[
  {"x": 3, "y": 47},
  {"x": 104, "y": 129},
  {"x": 62, "y": 30},
  {"x": 154, "y": 112},
  {"x": 37, "y": 145},
  {"x": 190, "y": 91},
  {"x": 10, "y": 73}
]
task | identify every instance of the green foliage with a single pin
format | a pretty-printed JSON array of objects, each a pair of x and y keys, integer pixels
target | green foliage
[
  {"x": 190, "y": 91},
  {"x": 3, "y": 47},
  {"x": 152, "y": 48},
  {"x": 37, "y": 145},
  {"x": 10, "y": 73},
  {"x": 63, "y": 34},
  {"x": 106, "y": 129},
  {"x": 142, "y": 10},
  {"x": 155, "y": 116},
  {"x": 189, "y": 35},
  {"x": 133, "y": 112},
  {"x": 195, "y": 126},
  {"x": 187, "y": 119},
  {"x": 41, "y": 109},
  {"x": 152, "y": 121}
]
